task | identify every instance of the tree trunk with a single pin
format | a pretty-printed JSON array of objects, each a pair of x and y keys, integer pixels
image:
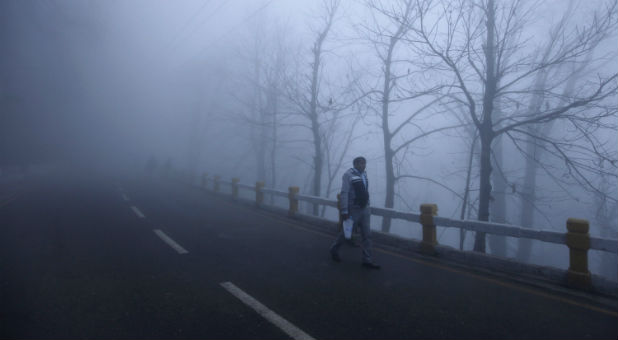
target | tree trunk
[
  {"x": 317, "y": 163},
  {"x": 486, "y": 129},
  {"x": 315, "y": 124},
  {"x": 390, "y": 188},
  {"x": 260, "y": 146},
  {"x": 261, "y": 154},
  {"x": 485, "y": 188},
  {"x": 497, "y": 243},
  {"x": 606, "y": 219},
  {"x": 528, "y": 195},
  {"x": 273, "y": 148},
  {"x": 318, "y": 158},
  {"x": 389, "y": 201},
  {"x": 462, "y": 232},
  {"x": 534, "y": 150}
]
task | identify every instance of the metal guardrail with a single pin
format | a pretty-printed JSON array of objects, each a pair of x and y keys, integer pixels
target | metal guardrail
[{"x": 576, "y": 238}]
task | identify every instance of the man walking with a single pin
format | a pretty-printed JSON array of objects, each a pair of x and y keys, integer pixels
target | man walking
[{"x": 355, "y": 204}]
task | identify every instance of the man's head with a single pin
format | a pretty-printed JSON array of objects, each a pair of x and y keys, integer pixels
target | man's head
[{"x": 359, "y": 163}]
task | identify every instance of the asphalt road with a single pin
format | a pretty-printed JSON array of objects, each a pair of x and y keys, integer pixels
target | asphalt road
[{"x": 78, "y": 260}]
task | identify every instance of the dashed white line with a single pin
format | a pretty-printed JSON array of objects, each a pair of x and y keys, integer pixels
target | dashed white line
[
  {"x": 137, "y": 212},
  {"x": 170, "y": 242},
  {"x": 266, "y": 313},
  {"x": 125, "y": 197}
]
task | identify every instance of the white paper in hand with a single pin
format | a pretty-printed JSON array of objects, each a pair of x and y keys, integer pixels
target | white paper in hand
[{"x": 347, "y": 228}]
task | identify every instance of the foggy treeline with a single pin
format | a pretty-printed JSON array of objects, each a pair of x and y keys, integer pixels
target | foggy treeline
[{"x": 500, "y": 111}]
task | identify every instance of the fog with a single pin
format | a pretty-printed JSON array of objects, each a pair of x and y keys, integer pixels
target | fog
[{"x": 224, "y": 87}]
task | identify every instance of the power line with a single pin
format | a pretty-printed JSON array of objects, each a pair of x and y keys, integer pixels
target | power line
[
  {"x": 184, "y": 27},
  {"x": 249, "y": 17},
  {"x": 212, "y": 14}
]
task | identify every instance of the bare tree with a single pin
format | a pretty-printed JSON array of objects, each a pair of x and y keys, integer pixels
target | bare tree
[
  {"x": 306, "y": 95},
  {"x": 483, "y": 47},
  {"x": 264, "y": 86},
  {"x": 274, "y": 77},
  {"x": 533, "y": 147},
  {"x": 388, "y": 35},
  {"x": 258, "y": 119},
  {"x": 337, "y": 141}
]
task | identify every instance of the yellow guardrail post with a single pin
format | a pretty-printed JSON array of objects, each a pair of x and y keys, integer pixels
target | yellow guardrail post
[
  {"x": 578, "y": 241},
  {"x": 293, "y": 201},
  {"x": 235, "y": 187},
  {"x": 217, "y": 180},
  {"x": 205, "y": 180},
  {"x": 259, "y": 194},
  {"x": 428, "y": 245}
]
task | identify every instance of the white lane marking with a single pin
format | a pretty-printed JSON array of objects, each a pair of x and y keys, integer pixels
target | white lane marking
[
  {"x": 137, "y": 212},
  {"x": 125, "y": 197},
  {"x": 274, "y": 318},
  {"x": 170, "y": 242}
]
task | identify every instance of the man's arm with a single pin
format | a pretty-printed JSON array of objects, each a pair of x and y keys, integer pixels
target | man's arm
[{"x": 345, "y": 195}]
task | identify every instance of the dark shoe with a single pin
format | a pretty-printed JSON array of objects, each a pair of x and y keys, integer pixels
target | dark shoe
[
  {"x": 335, "y": 257},
  {"x": 371, "y": 265},
  {"x": 352, "y": 243}
]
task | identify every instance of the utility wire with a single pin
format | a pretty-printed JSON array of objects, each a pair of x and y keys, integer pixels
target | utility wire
[
  {"x": 212, "y": 14},
  {"x": 249, "y": 17},
  {"x": 186, "y": 25}
]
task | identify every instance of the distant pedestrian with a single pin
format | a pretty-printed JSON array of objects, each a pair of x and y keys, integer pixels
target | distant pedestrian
[{"x": 355, "y": 204}]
